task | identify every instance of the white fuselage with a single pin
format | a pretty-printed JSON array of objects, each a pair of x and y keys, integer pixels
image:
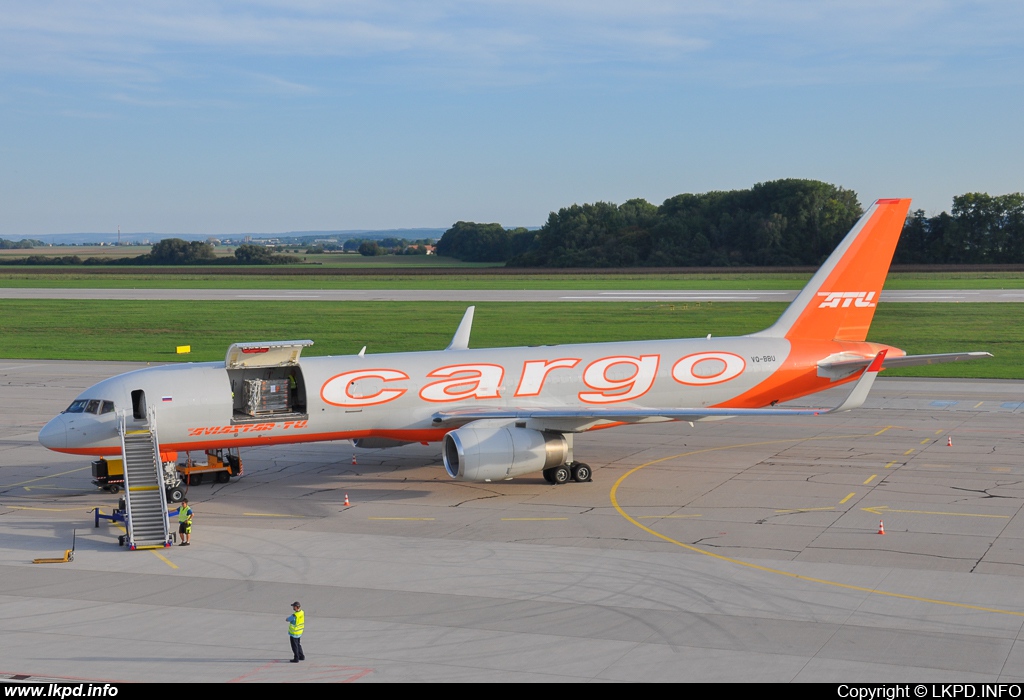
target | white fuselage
[{"x": 395, "y": 396}]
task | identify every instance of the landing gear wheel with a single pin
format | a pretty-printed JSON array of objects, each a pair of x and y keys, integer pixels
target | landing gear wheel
[
  {"x": 549, "y": 475},
  {"x": 580, "y": 472},
  {"x": 223, "y": 477},
  {"x": 561, "y": 474},
  {"x": 175, "y": 494}
]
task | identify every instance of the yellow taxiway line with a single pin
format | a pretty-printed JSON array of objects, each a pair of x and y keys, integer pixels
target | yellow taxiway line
[
  {"x": 40, "y": 478},
  {"x": 165, "y": 560},
  {"x": 879, "y": 510},
  {"x": 51, "y": 510}
]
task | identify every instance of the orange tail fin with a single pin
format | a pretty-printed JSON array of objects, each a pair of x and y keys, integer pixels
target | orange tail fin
[{"x": 839, "y": 301}]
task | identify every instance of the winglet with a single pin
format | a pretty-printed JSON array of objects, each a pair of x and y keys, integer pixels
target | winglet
[
  {"x": 460, "y": 341},
  {"x": 862, "y": 387}
]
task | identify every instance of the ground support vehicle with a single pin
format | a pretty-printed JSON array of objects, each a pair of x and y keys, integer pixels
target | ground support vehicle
[
  {"x": 220, "y": 466},
  {"x": 108, "y": 474}
]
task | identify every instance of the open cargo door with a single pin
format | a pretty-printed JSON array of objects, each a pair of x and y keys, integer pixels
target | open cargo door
[{"x": 266, "y": 380}]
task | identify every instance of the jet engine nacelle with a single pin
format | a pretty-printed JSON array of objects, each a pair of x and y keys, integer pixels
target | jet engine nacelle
[{"x": 494, "y": 450}]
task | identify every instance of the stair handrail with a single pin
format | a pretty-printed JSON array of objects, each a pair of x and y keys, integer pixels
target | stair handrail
[
  {"x": 122, "y": 430},
  {"x": 151, "y": 414}
]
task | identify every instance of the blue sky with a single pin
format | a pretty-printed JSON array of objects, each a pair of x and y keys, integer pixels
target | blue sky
[{"x": 222, "y": 117}]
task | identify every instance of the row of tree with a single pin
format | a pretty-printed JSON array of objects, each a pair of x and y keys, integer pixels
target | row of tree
[
  {"x": 175, "y": 251},
  {"x": 14, "y": 245},
  {"x": 172, "y": 251},
  {"x": 785, "y": 222},
  {"x": 779, "y": 223},
  {"x": 373, "y": 248},
  {"x": 474, "y": 242},
  {"x": 981, "y": 229}
]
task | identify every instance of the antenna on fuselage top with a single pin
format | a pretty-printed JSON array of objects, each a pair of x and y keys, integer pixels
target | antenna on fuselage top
[{"x": 460, "y": 341}]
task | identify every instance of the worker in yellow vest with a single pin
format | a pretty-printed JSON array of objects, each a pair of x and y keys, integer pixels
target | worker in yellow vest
[
  {"x": 185, "y": 523},
  {"x": 296, "y": 623}
]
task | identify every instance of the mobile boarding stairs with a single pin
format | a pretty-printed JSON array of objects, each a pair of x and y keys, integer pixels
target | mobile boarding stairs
[{"x": 145, "y": 499}]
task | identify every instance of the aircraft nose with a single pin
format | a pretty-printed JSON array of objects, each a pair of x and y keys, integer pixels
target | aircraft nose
[{"x": 54, "y": 435}]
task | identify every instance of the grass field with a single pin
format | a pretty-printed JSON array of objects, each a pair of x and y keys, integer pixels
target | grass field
[
  {"x": 451, "y": 279},
  {"x": 150, "y": 331}
]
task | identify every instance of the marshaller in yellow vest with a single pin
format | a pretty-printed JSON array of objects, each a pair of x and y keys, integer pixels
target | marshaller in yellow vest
[
  {"x": 185, "y": 523},
  {"x": 296, "y": 624}
]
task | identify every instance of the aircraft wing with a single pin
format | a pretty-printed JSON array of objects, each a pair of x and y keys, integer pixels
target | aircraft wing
[{"x": 581, "y": 418}]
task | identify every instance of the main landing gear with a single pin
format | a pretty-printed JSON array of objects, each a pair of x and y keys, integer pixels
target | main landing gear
[{"x": 577, "y": 471}]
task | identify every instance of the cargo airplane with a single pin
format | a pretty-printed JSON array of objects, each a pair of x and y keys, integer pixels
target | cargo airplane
[{"x": 502, "y": 413}]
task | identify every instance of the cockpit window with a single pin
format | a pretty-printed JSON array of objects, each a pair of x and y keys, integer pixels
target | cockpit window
[{"x": 95, "y": 406}]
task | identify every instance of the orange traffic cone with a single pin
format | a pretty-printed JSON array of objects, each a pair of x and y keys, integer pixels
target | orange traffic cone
[
  {"x": 353, "y": 458},
  {"x": 346, "y": 500},
  {"x": 881, "y": 525},
  {"x": 949, "y": 441}
]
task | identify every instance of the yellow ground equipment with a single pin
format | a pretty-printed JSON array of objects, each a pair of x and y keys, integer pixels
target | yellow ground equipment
[
  {"x": 69, "y": 554},
  {"x": 220, "y": 466},
  {"x": 108, "y": 474}
]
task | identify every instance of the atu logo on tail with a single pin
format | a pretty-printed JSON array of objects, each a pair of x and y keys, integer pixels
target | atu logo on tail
[{"x": 835, "y": 300}]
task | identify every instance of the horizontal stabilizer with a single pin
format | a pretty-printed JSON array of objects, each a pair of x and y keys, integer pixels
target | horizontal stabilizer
[
  {"x": 844, "y": 368},
  {"x": 916, "y": 360}
]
